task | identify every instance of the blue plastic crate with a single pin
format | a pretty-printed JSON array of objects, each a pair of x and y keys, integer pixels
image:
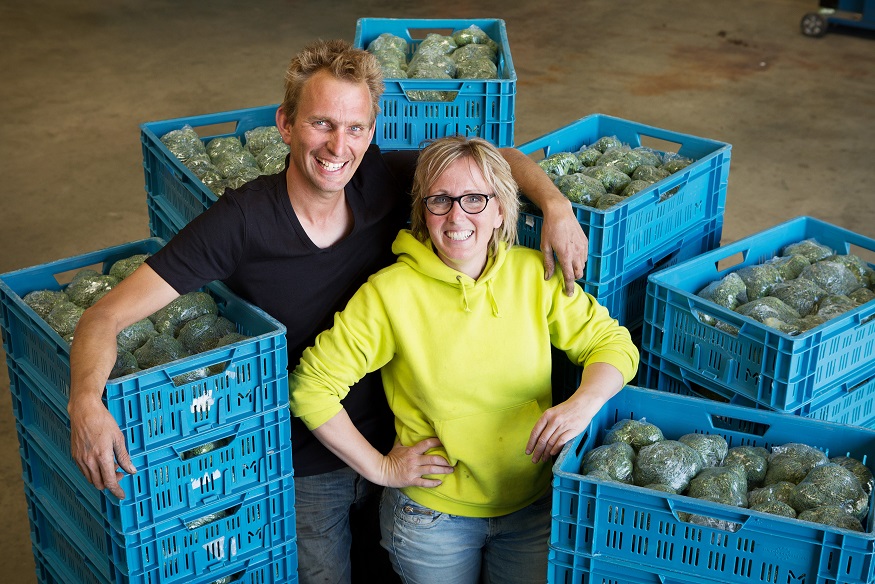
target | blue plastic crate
[
  {"x": 169, "y": 480},
  {"x": 846, "y": 404},
  {"x": 276, "y": 566},
  {"x": 481, "y": 107},
  {"x": 648, "y": 224},
  {"x": 150, "y": 408},
  {"x": 759, "y": 363},
  {"x": 221, "y": 536},
  {"x": 164, "y": 223},
  {"x": 625, "y": 523},
  {"x": 567, "y": 568},
  {"x": 169, "y": 182}
]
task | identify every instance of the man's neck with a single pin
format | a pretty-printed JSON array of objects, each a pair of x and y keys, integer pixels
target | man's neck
[{"x": 325, "y": 217}]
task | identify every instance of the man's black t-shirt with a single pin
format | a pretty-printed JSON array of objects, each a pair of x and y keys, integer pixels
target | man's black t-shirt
[{"x": 251, "y": 240}]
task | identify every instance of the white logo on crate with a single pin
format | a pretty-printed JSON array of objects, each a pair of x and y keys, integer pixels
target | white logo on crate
[
  {"x": 216, "y": 548},
  {"x": 196, "y": 483},
  {"x": 233, "y": 546},
  {"x": 202, "y": 403}
]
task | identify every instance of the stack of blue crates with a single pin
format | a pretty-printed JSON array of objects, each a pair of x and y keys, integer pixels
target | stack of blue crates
[
  {"x": 660, "y": 226},
  {"x": 213, "y": 496},
  {"x": 827, "y": 373}
]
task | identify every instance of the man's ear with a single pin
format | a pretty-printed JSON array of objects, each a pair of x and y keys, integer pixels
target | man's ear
[{"x": 282, "y": 124}]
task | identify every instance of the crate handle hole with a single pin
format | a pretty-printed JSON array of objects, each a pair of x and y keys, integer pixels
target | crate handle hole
[
  {"x": 659, "y": 144},
  {"x": 64, "y": 278},
  {"x": 867, "y": 255},
  {"x": 418, "y": 34},
  {"x": 212, "y": 130},
  {"x": 730, "y": 261}
]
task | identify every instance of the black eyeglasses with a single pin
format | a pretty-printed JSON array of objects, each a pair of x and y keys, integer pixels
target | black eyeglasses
[{"x": 471, "y": 204}]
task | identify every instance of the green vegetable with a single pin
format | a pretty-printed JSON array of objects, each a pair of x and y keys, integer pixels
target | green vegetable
[
  {"x": 474, "y": 52},
  {"x": 135, "y": 336},
  {"x": 779, "y": 491},
  {"x": 617, "y": 460},
  {"x": 800, "y": 294},
  {"x": 125, "y": 267},
  {"x": 729, "y": 291},
  {"x": 473, "y": 35},
  {"x": 830, "y": 484},
  {"x": 587, "y": 157},
  {"x": 862, "y": 295},
  {"x": 759, "y": 279},
  {"x": 607, "y": 201},
  {"x": 64, "y": 317},
  {"x": 775, "y": 508},
  {"x": 635, "y": 433},
  {"x": 158, "y": 350},
  {"x": 792, "y": 462},
  {"x": 613, "y": 180},
  {"x": 675, "y": 162},
  {"x": 712, "y": 447},
  {"x": 206, "y": 519},
  {"x": 169, "y": 320},
  {"x": 833, "y": 277},
  {"x": 650, "y": 174},
  {"x": 770, "y": 310},
  {"x": 183, "y": 143},
  {"x": 125, "y": 364},
  {"x": 810, "y": 249},
  {"x": 668, "y": 462},
  {"x": 605, "y": 143},
  {"x": 43, "y": 301},
  {"x": 831, "y": 515},
  {"x": 789, "y": 267},
  {"x": 754, "y": 461},
  {"x": 720, "y": 484},
  {"x": 220, "y": 146},
  {"x": 204, "y": 332},
  {"x": 860, "y": 470},
  {"x": 634, "y": 187},
  {"x": 257, "y": 139},
  {"x": 580, "y": 189},
  {"x": 388, "y": 40},
  {"x": 832, "y": 306},
  {"x": 476, "y": 69},
  {"x": 88, "y": 286},
  {"x": 560, "y": 163},
  {"x": 649, "y": 156}
]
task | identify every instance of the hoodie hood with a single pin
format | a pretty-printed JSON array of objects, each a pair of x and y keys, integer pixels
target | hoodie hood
[{"x": 422, "y": 258}]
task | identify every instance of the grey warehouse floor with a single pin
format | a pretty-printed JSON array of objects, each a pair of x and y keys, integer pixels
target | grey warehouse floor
[{"x": 80, "y": 76}]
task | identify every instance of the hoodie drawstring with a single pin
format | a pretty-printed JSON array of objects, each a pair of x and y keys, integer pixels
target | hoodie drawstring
[
  {"x": 464, "y": 293},
  {"x": 489, "y": 291},
  {"x": 492, "y": 300}
]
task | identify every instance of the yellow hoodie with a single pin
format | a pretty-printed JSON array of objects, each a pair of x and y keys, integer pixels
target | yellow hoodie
[{"x": 467, "y": 361}]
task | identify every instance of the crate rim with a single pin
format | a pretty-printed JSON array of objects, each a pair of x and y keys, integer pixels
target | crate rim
[{"x": 448, "y": 22}]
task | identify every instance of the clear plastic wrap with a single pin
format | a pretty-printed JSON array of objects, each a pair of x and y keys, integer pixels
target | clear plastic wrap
[
  {"x": 203, "y": 333},
  {"x": 64, "y": 317},
  {"x": 159, "y": 349},
  {"x": 135, "y": 336},
  {"x": 588, "y": 157},
  {"x": 613, "y": 180},
  {"x": 482, "y": 68},
  {"x": 832, "y": 306},
  {"x": 720, "y": 484},
  {"x": 183, "y": 143},
  {"x": 833, "y": 277},
  {"x": 862, "y": 296},
  {"x": 560, "y": 163},
  {"x": 668, "y": 462},
  {"x": 810, "y": 248},
  {"x": 272, "y": 159},
  {"x": 257, "y": 139},
  {"x": 88, "y": 286},
  {"x": 673, "y": 162},
  {"x": 789, "y": 267},
  {"x": 831, "y": 484},
  {"x": 831, "y": 515},
  {"x": 754, "y": 461},
  {"x": 712, "y": 447},
  {"x": 219, "y": 146},
  {"x": 649, "y": 156},
  {"x": 388, "y": 40},
  {"x": 779, "y": 491},
  {"x": 617, "y": 460},
  {"x": 634, "y": 187},
  {"x": 609, "y": 200},
  {"x": 775, "y": 508},
  {"x": 759, "y": 279},
  {"x": 860, "y": 470},
  {"x": 772, "y": 312},
  {"x": 792, "y": 462},
  {"x": 475, "y": 52},
  {"x": 649, "y": 173},
  {"x": 43, "y": 301},
  {"x": 635, "y": 433},
  {"x": 189, "y": 306},
  {"x": 729, "y": 291},
  {"x": 125, "y": 364},
  {"x": 605, "y": 143},
  {"x": 581, "y": 189},
  {"x": 800, "y": 294},
  {"x": 125, "y": 267}
]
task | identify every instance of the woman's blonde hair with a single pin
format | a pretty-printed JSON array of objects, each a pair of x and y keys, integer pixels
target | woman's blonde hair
[{"x": 439, "y": 155}]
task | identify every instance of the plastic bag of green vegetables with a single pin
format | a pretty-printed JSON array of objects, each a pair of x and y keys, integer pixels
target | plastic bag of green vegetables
[
  {"x": 772, "y": 312},
  {"x": 810, "y": 248},
  {"x": 635, "y": 433},
  {"x": 581, "y": 189},
  {"x": 89, "y": 286},
  {"x": 183, "y": 143},
  {"x": 779, "y": 491},
  {"x": 834, "y": 277},
  {"x": 730, "y": 291},
  {"x": 712, "y": 447},
  {"x": 613, "y": 180},
  {"x": 792, "y": 462},
  {"x": 43, "y": 301},
  {"x": 720, "y": 484},
  {"x": 759, "y": 279},
  {"x": 831, "y": 515},
  {"x": 616, "y": 460},
  {"x": 668, "y": 462},
  {"x": 560, "y": 163},
  {"x": 204, "y": 332},
  {"x": 650, "y": 174},
  {"x": 257, "y": 139},
  {"x": 169, "y": 320},
  {"x": 860, "y": 470},
  {"x": 607, "y": 201},
  {"x": 64, "y": 317},
  {"x": 126, "y": 266},
  {"x": 752, "y": 459},
  {"x": 135, "y": 336},
  {"x": 474, "y": 35},
  {"x": 830, "y": 484},
  {"x": 775, "y": 508},
  {"x": 800, "y": 294},
  {"x": 125, "y": 364}
]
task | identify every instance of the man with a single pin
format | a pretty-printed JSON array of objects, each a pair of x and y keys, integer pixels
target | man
[{"x": 297, "y": 244}]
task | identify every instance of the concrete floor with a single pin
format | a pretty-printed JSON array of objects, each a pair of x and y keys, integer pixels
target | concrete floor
[{"x": 79, "y": 77}]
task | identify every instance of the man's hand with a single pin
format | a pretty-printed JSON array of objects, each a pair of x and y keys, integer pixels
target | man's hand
[
  {"x": 562, "y": 234},
  {"x": 405, "y": 466},
  {"x": 98, "y": 446}
]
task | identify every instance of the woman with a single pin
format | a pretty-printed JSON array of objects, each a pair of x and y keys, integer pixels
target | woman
[{"x": 461, "y": 328}]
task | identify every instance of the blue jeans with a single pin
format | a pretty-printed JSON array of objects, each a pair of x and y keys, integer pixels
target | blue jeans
[
  {"x": 429, "y": 547},
  {"x": 333, "y": 509}
]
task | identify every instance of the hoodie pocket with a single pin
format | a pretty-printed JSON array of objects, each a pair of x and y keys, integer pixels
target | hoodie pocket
[{"x": 488, "y": 451}]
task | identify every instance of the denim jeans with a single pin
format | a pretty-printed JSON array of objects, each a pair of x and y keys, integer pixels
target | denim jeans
[
  {"x": 338, "y": 530},
  {"x": 429, "y": 547}
]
